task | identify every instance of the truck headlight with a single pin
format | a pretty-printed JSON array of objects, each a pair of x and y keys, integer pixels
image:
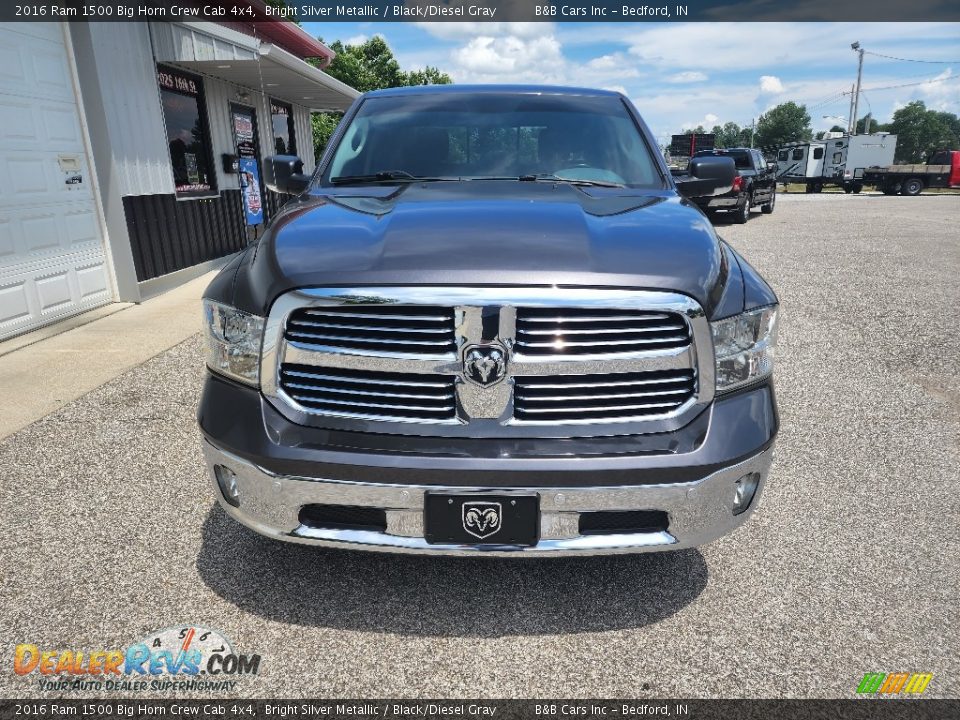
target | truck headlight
[
  {"x": 233, "y": 342},
  {"x": 743, "y": 346}
]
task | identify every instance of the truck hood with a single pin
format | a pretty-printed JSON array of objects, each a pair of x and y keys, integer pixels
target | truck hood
[{"x": 491, "y": 233}]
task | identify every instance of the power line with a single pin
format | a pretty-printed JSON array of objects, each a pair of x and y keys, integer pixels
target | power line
[
  {"x": 930, "y": 62},
  {"x": 925, "y": 82}
]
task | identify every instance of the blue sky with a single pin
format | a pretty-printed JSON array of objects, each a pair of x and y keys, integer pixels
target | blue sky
[{"x": 681, "y": 75}]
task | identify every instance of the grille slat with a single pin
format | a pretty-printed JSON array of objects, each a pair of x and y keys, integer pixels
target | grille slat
[
  {"x": 369, "y": 394},
  {"x": 566, "y": 398},
  {"x": 607, "y": 330},
  {"x": 563, "y": 344},
  {"x": 422, "y": 330},
  {"x": 369, "y": 328},
  {"x": 351, "y": 314},
  {"x": 582, "y": 331},
  {"x": 366, "y": 380},
  {"x": 583, "y": 317},
  {"x": 347, "y": 339},
  {"x": 610, "y": 396}
]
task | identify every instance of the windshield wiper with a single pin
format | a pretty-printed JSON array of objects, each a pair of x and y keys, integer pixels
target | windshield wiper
[
  {"x": 572, "y": 181},
  {"x": 382, "y": 176}
]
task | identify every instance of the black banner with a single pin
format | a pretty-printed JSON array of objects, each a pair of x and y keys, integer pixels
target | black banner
[
  {"x": 862, "y": 709},
  {"x": 328, "y": 11}
]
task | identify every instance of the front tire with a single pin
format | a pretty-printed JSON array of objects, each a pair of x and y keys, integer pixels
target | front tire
[
  {"x": 912, "y": 186},
  {"x": 767, "y": 207}
]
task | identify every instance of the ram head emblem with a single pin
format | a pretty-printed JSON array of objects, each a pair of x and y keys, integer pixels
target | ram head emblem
[
  {"x": 482, "y": 519},
  {"x": 484, "y": 365}
]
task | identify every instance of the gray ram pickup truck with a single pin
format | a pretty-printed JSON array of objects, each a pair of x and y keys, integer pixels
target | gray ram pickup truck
[{"x": 490, "y": 322}]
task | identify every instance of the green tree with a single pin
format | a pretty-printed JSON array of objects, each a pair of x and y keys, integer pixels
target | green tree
[
  {"x": 731, "y": 135},
  {"x": 368, "y": 66},
  {"x": 921, "y": 132},
  {"x": 787, "y": 122}
]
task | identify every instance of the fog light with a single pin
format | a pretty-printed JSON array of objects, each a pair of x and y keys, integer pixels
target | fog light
[
  {"x": 743, "y": 491},
  {"x": 227, "y": 480}
]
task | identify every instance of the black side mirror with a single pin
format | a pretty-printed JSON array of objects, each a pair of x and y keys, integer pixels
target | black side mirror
[
  {"x": 708, "y": 175},
  {"x": 284, "y": 174}
]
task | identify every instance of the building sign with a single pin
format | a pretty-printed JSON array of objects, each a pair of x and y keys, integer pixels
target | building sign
[
  {"x": 178, "y": 83},
  {"x": 243, "y": 132},
  {"x": 250, "y": 191}
]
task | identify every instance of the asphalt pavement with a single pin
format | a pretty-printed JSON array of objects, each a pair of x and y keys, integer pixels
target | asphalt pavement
[{"x": 110, "y": 531}]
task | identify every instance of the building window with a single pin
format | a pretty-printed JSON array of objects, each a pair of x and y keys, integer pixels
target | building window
[
  {"x": 284, "y": 140},
  {"x": 188, "y": 136},
  {"x": 817, "y": 153}
]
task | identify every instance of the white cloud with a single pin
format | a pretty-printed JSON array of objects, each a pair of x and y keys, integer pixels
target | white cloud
[
  {"x": 942, "y": 92},
  {"x": 688, "y": 76},
  {"x": 770, "y": 85},
  {"x": 604, "y": 62},
  {"x": 466, "y": 30},
  {"x": 356, "y": 40},
  {"x": 509, "y": 58}
]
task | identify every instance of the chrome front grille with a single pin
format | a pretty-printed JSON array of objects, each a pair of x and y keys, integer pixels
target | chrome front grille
[
  {"x": 613, "y": 397},
  {"x": 578, "y": 362},
  {"x": 419, "y": 330},
  {"x": 597, "y": 331},
  {"x": 370, "y": 395}
]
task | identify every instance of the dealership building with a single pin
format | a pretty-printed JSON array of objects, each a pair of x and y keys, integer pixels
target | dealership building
[{"x": 131, "y": 153}]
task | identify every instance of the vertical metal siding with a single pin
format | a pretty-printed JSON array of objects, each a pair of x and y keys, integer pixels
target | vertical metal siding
[
  {"x": 303, "y": 128},
  {"x": 128, "y": 82}
]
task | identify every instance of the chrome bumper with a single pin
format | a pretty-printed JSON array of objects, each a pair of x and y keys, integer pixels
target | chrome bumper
[{"x": 698, "y": 511}]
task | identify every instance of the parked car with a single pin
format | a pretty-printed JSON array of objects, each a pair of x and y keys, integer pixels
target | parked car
[
  {"x": 490, "y": 323},
  {"x": 943, "y": 171},
  {"x": 754, "y": 186}
]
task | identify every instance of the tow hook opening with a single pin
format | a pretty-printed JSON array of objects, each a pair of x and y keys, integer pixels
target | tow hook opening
[
  {"x": 623, "y": 522},
  {"x": 343, "y": 517}
]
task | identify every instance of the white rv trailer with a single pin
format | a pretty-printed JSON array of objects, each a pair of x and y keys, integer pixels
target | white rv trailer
[
  {"x": 800, "y": 162},
  {"x": 838, "y": 159}
]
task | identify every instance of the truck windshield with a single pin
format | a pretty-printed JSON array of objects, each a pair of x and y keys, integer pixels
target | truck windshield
[{"x": 489, "y": 135}]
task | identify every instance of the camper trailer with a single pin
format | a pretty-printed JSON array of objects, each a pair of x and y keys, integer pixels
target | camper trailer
[
  {"x": 838, "y": 159},
  {"x": 801, "y": 162}
]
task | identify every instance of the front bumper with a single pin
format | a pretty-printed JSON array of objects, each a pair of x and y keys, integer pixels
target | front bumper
[
  {"x": 698, "y": 511},
  {"x": 689, "y": 474}
]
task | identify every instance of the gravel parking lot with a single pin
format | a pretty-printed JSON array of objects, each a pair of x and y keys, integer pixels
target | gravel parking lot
[{"x": 850, "y": 565}]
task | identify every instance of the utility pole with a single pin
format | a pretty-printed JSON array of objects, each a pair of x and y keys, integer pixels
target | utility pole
[
  {"x": 753, "y": 125},
  {"x": 851, "y": 123},
  {"x": 856, "y": 98}
]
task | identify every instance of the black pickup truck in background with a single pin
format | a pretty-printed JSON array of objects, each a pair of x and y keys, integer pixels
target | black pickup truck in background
[{"x": 754, "y": 186}]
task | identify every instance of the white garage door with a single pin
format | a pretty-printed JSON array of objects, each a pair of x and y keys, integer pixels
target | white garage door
[{"x": 52, "y": 261}]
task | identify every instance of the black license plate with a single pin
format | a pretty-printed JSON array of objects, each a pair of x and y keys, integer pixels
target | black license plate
[{"x": 481, "y": 519}]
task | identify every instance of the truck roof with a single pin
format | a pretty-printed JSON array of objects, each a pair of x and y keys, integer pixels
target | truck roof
[{"x": 492, "y": 89}]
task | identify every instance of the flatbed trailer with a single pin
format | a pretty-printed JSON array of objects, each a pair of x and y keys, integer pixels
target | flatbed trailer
[{"x": 943, "y": 171}]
